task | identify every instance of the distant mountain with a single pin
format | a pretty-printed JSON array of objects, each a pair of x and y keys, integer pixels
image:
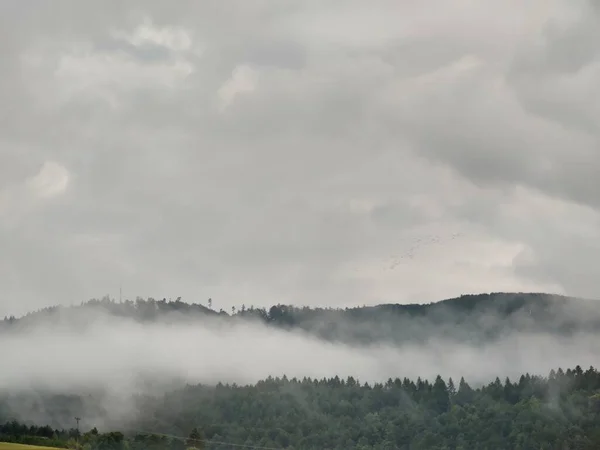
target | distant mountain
[{"x": 472, "y": 318}]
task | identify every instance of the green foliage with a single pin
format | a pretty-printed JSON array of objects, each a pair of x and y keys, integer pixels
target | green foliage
[
  {"x": 556, "y": 412},
  {"x": 44, "y": 436},
  {"x": 196, "y": 439}
]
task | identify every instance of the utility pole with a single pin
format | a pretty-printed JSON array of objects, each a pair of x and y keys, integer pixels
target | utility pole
[{"x": 77, "y": 419}]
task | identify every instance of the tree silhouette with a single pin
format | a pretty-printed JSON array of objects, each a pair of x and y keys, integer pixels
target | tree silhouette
[{"x": 196, "y": 439}]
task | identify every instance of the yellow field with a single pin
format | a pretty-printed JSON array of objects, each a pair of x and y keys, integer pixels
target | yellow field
[{"x": 9, "y": 446}]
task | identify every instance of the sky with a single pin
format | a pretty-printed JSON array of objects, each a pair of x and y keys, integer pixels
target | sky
[{"x": 298, "y": 152}]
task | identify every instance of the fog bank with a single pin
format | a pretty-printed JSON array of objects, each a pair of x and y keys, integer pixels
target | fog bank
[{"x": 112, "y": 353}]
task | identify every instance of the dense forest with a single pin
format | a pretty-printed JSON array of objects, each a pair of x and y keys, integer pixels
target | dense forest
[
  {"x": 472, "y": 318},
  {"x": 560, "y": 411}
]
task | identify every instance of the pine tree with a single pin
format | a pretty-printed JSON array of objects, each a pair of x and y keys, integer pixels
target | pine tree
[{"x": 196, "y": 440}]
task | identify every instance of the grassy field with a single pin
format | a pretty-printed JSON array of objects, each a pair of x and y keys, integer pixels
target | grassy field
[{"x": 9, "y": 446}]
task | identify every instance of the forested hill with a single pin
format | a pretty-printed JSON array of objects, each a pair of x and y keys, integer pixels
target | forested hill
[
  {"x": 561, "y": 411},
  {"x": 469, "y": 317}
]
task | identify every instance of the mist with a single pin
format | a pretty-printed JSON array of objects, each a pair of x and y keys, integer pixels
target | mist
[
  {"x": 114, "y": 354},
  {"x": 100, "y": 356}
]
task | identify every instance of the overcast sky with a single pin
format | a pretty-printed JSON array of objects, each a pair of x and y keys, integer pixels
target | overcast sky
[{"x": 306, "y": 152}]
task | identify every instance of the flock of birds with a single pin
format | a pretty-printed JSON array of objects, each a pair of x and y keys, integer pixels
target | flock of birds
[{"x": 417, "y": 245}]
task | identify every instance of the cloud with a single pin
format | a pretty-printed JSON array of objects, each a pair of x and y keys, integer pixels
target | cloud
[
  {"x": 116, "y": 354},
  {"x": 51, "y": 180},
  {"x": 242, "y": 81},
  {"x": 286, "y": 152},
  {"x": 176, "y": 39},
  {"x": 147, "y": 59}
]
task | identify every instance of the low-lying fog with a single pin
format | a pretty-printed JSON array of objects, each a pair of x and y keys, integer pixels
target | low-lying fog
[{"x": 112, "y": 352}]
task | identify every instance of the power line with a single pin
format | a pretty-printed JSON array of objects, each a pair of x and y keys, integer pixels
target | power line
[{"x": 208, "y": 441}]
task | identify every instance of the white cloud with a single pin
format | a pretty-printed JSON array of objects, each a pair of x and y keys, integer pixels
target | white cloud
[
  {"x": 22, "y": 197},
  {"x": 80, "y": 70},
  {"x": 243, "y": 81},
  {"x": 174, "y": 38},
  {"x": 50, "y": 181},
  {"x": 84, "y": 72}
]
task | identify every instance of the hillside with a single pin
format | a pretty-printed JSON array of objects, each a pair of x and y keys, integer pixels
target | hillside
[
  {"x": 199, "y": 362},
  {"x": 560, "y": 411},
  {"x": 471, "y": 318}
]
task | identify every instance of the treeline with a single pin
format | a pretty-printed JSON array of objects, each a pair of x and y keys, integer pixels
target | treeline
[
  {"x": 150, "y": 309},
  {"x": 560, "y": 411},
  {"x": 19, "y": 433},
  {"x": 16, "y": 432},
  {"x": 474, "y": 318},
  {"x": 555, "y": 412}
]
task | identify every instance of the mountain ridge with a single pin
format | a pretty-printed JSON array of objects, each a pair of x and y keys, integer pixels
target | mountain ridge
[
  {"x": 465, "y": 302},
  {"x": 468, "y": 317}
]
